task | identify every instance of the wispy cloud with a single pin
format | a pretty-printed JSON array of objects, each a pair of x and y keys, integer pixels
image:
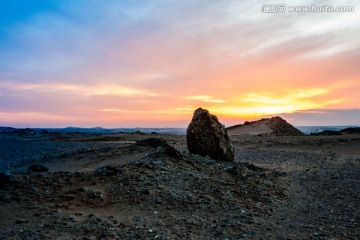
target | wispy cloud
[
  {"x": 78, "y": 89},
  {"x": 166, "y": 57},
  {"x": 205, "y": 98},
  {"x": 21, "y": 119},
  {"x": 324, "y": 117},
  {"x": 269, "y": 103}
]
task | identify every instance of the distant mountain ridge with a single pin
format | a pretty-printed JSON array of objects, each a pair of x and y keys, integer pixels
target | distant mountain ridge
[
  {"x": 95, "y": 130},
  {"x": 177, "y": 131},
  {"x": 317, "y": 129},
  {"x": 345, "y": 131},
  {"x": 6, "y": 129}
]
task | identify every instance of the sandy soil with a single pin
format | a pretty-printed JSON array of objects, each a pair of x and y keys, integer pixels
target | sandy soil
[{"x": 110, "y": 187}]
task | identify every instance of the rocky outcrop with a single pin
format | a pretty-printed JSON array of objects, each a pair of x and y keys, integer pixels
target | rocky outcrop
[
  {"x": 282, "y": 128},
  {"x": 206, "y": 136},
  {"x": 275, "y": 126}
]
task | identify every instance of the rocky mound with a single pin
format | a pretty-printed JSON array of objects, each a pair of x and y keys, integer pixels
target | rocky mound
[
  {"x": 158, "y": 197},
  {"x": 266, "y": 126}
]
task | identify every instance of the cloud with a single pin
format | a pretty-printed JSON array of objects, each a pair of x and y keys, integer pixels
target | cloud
[
  {"x": 21, "y": 119},
  {"x": 78, "y": 89},
  {"x": 205, "y": 98},
  {"x": 257, "y": 104},
  {"x": 287, "y": 97},
  {"x": 324, "y": 117},
  {"x": 145, "y": 56}
]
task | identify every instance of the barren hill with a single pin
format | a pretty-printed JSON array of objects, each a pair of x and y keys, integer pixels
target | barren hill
[{"x": 266, "y": 126}]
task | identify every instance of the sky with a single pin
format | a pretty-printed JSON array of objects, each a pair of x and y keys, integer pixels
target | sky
[{"x": 145, "y": 63}]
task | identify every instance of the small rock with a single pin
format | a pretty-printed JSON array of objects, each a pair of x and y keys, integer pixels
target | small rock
[
  {"x": 4, "y": 180},
  {"x": 38, "y": 168},
  {"x": 151, "y": 142},
  {"x": 21, "y": 221},
  {"x": 107, "y": 171},
  {"x": 161, "y": 146},
  {"x": 145, "y": 191}
]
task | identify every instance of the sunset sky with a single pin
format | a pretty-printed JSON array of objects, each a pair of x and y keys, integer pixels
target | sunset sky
[{"x": 149, "y": 63}]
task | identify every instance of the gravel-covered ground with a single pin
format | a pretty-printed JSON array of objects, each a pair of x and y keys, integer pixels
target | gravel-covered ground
[
  {"x": 278, "y": 188},
  {"x": 17, "y": 152},
  {"x": 323, "y": 198}
]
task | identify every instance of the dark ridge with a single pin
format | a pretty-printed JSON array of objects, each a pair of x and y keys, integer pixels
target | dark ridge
[
  {"x": 38, "y": 168},
  {"x": 350, "y": 130},
  {"x": 326, "y": 133},
  {"x": 235, "y": 126},
  {"x": 6, "y": 129}
]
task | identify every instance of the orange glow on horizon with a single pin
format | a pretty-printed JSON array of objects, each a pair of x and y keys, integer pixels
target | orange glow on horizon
[{"x": 244, "y": 107}]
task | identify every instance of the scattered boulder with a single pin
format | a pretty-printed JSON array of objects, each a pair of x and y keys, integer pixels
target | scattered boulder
[
  {"x": 38, "y": 168},
  {"x": 206, "y": 136},
  {"x": 4, "y": 180},
  {"x": 107, "y": 171}
]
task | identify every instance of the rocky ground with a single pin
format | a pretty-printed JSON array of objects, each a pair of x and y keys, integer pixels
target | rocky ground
[
  {"x": 323, "y": 200},
  {"x": 125, "y": 186}
]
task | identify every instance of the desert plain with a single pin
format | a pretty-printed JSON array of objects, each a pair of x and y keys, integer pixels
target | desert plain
[{"x": 148, "y": 186}]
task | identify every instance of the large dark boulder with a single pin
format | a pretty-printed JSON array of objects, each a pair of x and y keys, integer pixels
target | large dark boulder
[{"x": 206, "y": 136}]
